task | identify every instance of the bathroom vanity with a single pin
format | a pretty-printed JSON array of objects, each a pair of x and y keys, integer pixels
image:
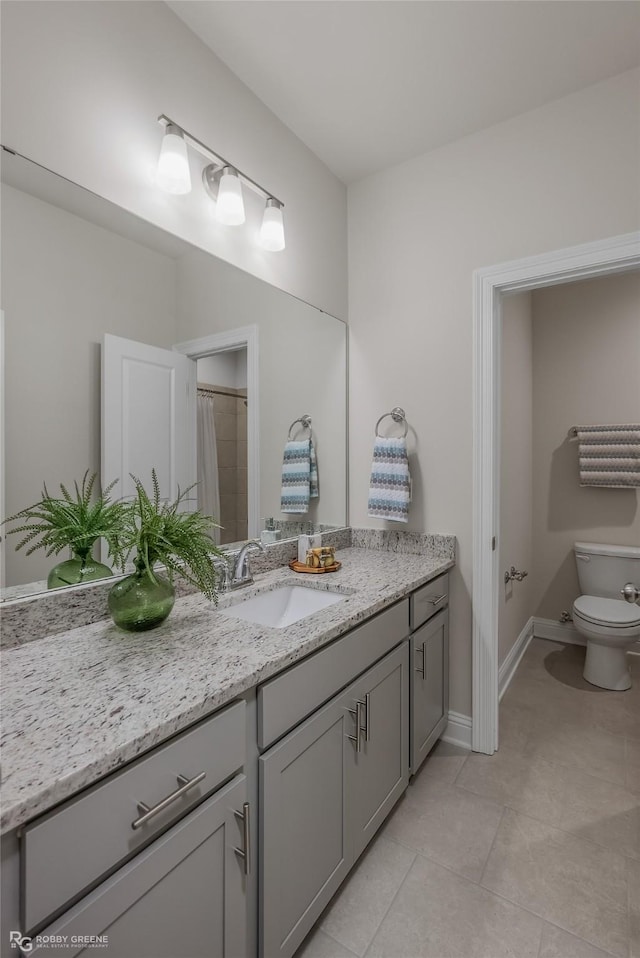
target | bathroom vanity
[{"x": 204, "y": 789}]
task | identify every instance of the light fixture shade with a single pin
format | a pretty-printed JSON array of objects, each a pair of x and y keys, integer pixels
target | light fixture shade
[
  {"x": 173, "y": 165},
  {"x": 272, "y": 229},
  {"x": 230, "y": 205}
]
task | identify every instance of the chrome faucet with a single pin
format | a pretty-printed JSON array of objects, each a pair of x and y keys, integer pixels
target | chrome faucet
[{"x": 241, "y": 572}]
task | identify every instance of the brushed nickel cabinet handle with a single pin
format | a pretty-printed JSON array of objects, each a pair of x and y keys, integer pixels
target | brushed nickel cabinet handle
[
  {"x": 439, "y": 598},
  {"x": 148, "y": 813},
  {"x": 421, "y": 668},
  {"x": 245, "y": 852},
  {"x": 367, "y": 714},
  {"x": 357, "y": 713}
]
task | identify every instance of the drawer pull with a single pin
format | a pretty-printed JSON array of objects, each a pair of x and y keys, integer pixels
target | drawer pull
[
  {"x": 420, "y": 668},
  {"x": 148, "y": 813},
  {"x": 438, "y": 599},
  {"x": 245, "y": 852}
]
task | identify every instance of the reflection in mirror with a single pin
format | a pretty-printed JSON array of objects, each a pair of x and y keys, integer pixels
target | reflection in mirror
[{"x": 76, "y": 267}]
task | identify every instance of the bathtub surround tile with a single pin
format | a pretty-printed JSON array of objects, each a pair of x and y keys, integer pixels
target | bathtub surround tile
[
  {"x": 438, "y": 914},
  {"x": 355, "y": 915},
  {"x": 557, "y": 943},
  {"x": 446, "y": 824},
  {"x": 566, "y": 880}
]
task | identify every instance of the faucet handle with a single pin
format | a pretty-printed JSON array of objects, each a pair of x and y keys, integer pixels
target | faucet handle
[{"x": 223, "y": 569}]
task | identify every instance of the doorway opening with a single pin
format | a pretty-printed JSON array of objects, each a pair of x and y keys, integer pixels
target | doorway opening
[
  {"x": 222, "y": 442},
  {"x": 602, "y": 258}
]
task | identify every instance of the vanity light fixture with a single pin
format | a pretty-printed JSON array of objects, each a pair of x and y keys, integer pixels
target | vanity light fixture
[
  {"x": 230, "y": 205},
  {"x": 173, "y": 164},
  {"x": 272, "y": 229},
  {"x": 222, "y": 181}
]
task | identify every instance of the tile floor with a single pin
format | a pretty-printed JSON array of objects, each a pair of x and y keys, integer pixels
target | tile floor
[{"x": 533, "y": 852}]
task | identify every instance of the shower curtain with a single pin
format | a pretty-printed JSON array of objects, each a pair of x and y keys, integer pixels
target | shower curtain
[{"x": 208, "y": 481}]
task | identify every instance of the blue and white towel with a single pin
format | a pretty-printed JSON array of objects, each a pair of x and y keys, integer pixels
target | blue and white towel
[
  {"x": 299, "y": 476},
  {"x": 390, "y": 486}
]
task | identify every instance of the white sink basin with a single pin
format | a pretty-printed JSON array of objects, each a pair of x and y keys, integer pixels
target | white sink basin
[{"x": 283, "y": 606}]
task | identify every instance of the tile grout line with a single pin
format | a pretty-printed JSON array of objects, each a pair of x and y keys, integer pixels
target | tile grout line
[
  {"x": 398, "y": 890},
  {"x": 493, "y": 842}
]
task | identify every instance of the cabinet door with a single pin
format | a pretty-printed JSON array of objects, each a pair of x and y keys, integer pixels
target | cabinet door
[
  {"x": 304, "y": 853},
  {"x": 379, "y": 772},
  {"x": 429, "y": 686},
  {"x": 184, "y": 895}
]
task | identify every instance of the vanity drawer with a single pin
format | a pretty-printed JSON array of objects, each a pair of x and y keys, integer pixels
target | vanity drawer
[
  {"x": 70, "y": 849},
  {"x": 288, "y": 698},
  {"x": 428, "y": 600}
]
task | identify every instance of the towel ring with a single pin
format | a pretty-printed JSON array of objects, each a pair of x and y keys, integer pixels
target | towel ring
[
  {"x": 397, "y": 414},
  {"x": 306, "y": 423}
]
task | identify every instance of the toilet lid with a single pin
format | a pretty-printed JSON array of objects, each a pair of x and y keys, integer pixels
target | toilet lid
[{"x": 616, "y": 612}]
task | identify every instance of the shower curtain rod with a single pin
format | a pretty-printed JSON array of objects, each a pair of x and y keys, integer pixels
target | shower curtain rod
[{"x": 204, "y": 388}]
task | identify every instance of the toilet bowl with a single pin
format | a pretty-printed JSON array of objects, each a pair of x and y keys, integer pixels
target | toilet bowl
[{"x": 609, "y": 624}]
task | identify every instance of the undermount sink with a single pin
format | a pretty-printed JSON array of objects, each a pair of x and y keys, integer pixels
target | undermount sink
[{"x": 283, "y": 605}]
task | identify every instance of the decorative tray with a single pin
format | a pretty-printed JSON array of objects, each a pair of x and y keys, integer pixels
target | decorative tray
[{"x": 301, "y": 567}]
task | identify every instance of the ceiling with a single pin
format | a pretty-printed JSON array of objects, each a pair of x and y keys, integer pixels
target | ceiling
[{"x": 366, "y": 84}]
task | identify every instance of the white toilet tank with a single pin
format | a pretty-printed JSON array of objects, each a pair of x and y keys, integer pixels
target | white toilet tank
[{"x": 604, "y": 569}]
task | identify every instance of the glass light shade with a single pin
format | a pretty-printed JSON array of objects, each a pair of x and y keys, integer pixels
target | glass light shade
[
  {"x": 173, "y": 165},
  {"x": 272, "y": 229},
  {"x": 230, "y": 205}
]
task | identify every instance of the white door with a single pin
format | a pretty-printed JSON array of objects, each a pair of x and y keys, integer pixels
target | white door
[{"x": 148, "y": 417}]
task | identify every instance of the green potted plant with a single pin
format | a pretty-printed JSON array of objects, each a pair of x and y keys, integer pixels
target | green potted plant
[
  {"x": 74, "y": 522},
  {"x": 162, "y": 533}
]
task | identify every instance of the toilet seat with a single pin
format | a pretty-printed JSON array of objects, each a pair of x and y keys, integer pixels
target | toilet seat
[{"x": 613, "y": 613}]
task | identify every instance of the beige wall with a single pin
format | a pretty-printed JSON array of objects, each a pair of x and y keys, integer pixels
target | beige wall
[
  {"x": 566, "y": 173},
  {"x": 65, "y": 283},
  {"x": 82, "y": 87},
  {"x": 586, "y": 352},
  {"x": 302, "y": 370},
  {"x": 516, "y": 473}
]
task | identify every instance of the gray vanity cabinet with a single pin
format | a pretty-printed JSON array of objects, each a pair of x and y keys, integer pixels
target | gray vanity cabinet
[
  {"x": 429, "y": 682},
  {"x": 379, "y": 771},
  {"x": 324, "y": 791},
  {"x": 184, "y": 895}
]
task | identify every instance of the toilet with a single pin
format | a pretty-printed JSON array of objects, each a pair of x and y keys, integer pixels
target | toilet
[{"x": 608, "y": 622}]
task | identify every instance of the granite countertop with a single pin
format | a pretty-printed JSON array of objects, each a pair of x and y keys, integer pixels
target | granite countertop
[{"x": 81, "y": 703}]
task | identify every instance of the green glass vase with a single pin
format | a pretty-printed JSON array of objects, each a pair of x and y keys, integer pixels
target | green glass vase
[
  {"x": 138, "y": 602},
  {"x": 82, "y": 567}
]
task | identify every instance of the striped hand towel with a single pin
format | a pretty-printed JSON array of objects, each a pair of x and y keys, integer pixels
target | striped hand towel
[
  {"x": 609, "y": 456},
  {"x": 390, "y": 485},
  {"x": 299, "y": 476}
]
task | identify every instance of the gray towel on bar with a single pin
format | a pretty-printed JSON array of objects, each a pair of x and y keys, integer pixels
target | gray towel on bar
[{"x": 610, "y": 455}]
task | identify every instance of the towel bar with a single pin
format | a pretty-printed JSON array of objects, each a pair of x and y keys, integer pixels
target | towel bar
[{"x": 398, "y": 415}]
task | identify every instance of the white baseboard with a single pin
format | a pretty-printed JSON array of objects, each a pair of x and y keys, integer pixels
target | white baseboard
[
  {"x": 566, "y": 632},
  {"x": 458, "y": 730},
  {"x": 508, "y": 668},
  {"x": 557, "y": 631}
]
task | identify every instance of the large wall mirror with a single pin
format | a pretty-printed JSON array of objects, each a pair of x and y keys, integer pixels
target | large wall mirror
[{"x": 76, "y": 267}]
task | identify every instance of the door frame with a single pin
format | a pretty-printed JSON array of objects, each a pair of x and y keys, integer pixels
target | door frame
[
  {"x": 244, "y": 337},
  {"x": 601, "y": 258}
]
